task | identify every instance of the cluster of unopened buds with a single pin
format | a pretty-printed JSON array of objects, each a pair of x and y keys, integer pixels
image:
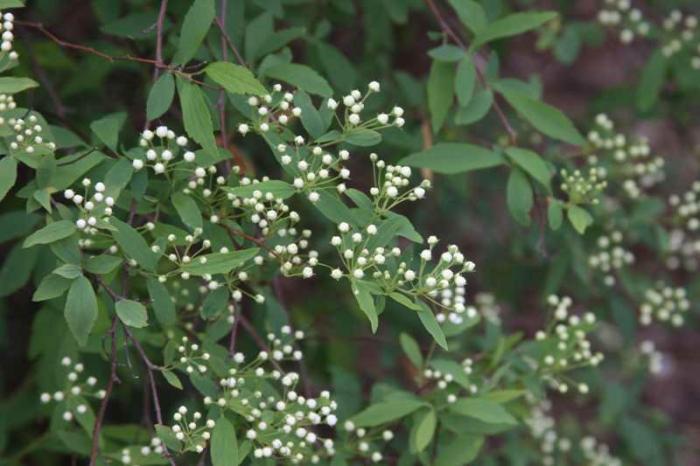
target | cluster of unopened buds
[
  {"x": 583, "y": 187},
  {"x": 365, "y": 442},
  {"x": 557, "y": 448},
  {"x": 277, "y": 107},
  {"x": 620, "y": 15},
  {"x": 29, "y": 136},
  {"x": 447, "y": 382},
  {"x": 354, "y": 104},
  {"x": 665, "y": 304},
  {"x": 655, "y": 358},
  {"x": 7, "y": 27},
  {"x": 190, "y": 430},
  {"x": 391, "y": 185},
  {"x": 192, "y": 358},
  {"x": 487, "y": 307},
  {"x": 7, "y": 102},
  {"x": 684, "y": 236},
  {"x": 146, "y": 453},
  {"x": 72, "y": 397},
  {"x": 295, "y": 257},
  {"x": 681, "y": 32},
  {"x": 162, "y": 149},
  {"x": 610, "y": 256},
  {"x": 95, "y": 209},
  {"x": 630, "y": 162},
  {"x": 565, "y": 345},
  {"x": 263, "y": 208},
  {"x": 315, "y": 168}
]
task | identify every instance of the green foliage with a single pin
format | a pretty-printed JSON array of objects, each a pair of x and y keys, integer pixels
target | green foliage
[{"x": 253, "y": 273}]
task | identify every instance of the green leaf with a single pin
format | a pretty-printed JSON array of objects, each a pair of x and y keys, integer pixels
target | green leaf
[
  {"x": 224, "y": 445},
  {"x": 219, "y": 262},
  {"x": 440, "y": 92},
  {"x": 519, "y": 196},
  {"x": 214, "y": 303},
  {"x": 337, "y": 67},
  {"x": 484, "y": 410},
  {"x": 4, "y": 4},
  {"x": 102, "y": 264},
  {"x": 652, "y": 80},
  {"x": 465, "y": 79},
  {"x": 194, "y": 29},
  {"x": 8, "y": 175},
  {"x": 133, "y": 244},
  {"x": 511, "y": 25},
  {"x": 543, "y": 117},
  {"x": 81, "y": 309},
  {"x": 386, "y": 411},
  {"x": 447, "y": 52},
  {"x": 579, "y": 218},
  {"x": 424, "y": 430},
  {"x": 412, "y": 350},
  {"x": 118, "y": 177},
  {"x": 471, "y": 14},
  {"x": 187, "y": 209},
  {"x": 361, "y": 291},
  {"x": 427, "y": 318},
  {"x": 171, "y": 378},
  {"x": 50, "y": 233},
  {"x": 301, "y": 76},
  {"x": 162, "y": 302},
  {"x": 17, "y": 267},
  {"x": 52, "y": 286},
  {"x": 363, "y": 137},
  {"x": 460, "y": 451},
  {"x": 10, "y": 85},
  {"x": 477, "y": 108},
  {"x": 532, "y": 163},
  {"x": 235, "y": 79},
  {"x": 196, "y": 115},
  {"x": 310, "y": 116},
  {"x": 452, "y": 158},
  {"x": 69, "y": 271},
  {"x": 278, "y": 188},
  {"x": 555, "y": 215},
  {"x": 107, "y": 129},
  {"x": 132, "y": 313},
  {"x": 161, "y": 96}
]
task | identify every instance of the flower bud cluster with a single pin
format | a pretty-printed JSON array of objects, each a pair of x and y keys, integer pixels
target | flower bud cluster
[
  {"x": 29, "y": 136},
  {"x": 145, "y": 454},
  {"x": 655, "y": 358},
  {"x": 681, "y": 33},
  {"x": 94, "y": 207},
  {"x": 7, "y": 27},
  {"x": 263, "y": 208},
  {"x": 192, "y": 431},
  {"x": 564, "y": 344},
  {"x": 684, "y": 236},
  {"x": 162, "y": 150},
  {"x": 192, "y": 359},
  {"x": 628, "y": 163},
  {"x": 630, "y": 21},
  {"x": 314, "y": 168},
  {"x": 392, "y": 185},
  {"x": 664, "y": 304},
  {"x": 610, "y": 256},
  {"x": 354, "y": 104},
  {"x": 72, "y": 398},
  {"x": 584, "y": 187},
  {"x": 367, "y": 443},
  {"x": 270, "y": 110}
]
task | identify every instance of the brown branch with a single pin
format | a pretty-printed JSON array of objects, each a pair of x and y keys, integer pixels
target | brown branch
[
  {"x": 159, "y": 38},
  {"x": 478, "y": 66},
  {"x": 112, "y": 58},
  {"x": 224, "y": 35},
  {"x": 108, "y": 392}
]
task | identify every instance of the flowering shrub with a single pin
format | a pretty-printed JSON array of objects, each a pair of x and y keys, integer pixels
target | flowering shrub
[{"x": 247, "y": 269}]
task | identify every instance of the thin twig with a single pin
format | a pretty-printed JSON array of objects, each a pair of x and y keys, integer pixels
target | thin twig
[
  {"x": 221, "y": 104},
  {"x": 108, "y": 392},
  {"x": 222, "y": 27},
  {"x": 159, "y": 38},
  {"x": 478, "y": 66}
]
